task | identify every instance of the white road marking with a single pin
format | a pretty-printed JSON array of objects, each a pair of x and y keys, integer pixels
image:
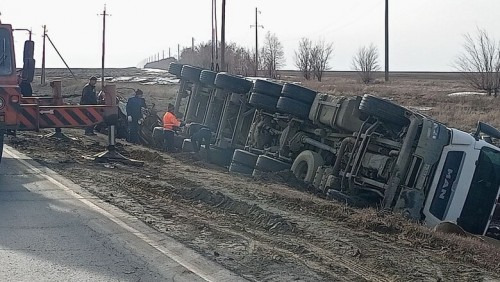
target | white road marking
[{"x": 178, "y": 253}]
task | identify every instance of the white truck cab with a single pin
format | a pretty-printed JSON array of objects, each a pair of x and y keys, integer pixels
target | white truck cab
[{"x": 466, "y": 185}]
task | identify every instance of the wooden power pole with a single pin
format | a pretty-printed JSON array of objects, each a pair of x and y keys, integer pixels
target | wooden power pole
[
  {"x": 386, "y": 40},
  {"x": 256, "y": 40},
  {"x": 104, "y": 14},
  {"x": 223, "y": 38},
  {"x": 42, "y": 78}
]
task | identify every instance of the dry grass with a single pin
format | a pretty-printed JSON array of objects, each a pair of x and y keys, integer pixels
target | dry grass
[
  {"x": 462, "y": 112},
  {"x": 469, "y": 250}
]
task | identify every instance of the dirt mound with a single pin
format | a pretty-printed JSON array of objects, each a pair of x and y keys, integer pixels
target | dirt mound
[
  {"x": 269, "y": 221},
  {"x": 143, "y": 155}
]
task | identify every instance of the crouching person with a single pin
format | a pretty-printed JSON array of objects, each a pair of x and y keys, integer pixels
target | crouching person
[
  {"x": 200, "y": 135},
  {"x": 170, "y": 125}
]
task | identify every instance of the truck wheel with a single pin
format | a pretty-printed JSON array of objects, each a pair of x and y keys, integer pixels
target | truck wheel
[
  {"x": 306, "y": 164},
  {"x": 293, "y": 107},
  {"x": 240, "y": 168},
  {"x": 383, "y": 109},
  {"x": 2, "y": 136},
  {"x": 268, "y": 164},
  {"x": 245, "y": 158},
  {"x": 264, "y": 102},
  {"x": 208, "y": 77},
  {"x": 175, "y": 69},
  {"x": 220, "y": 157},
  {"x": 191, "y": 73},
  {"x": 267, "y": 88},
  {"x": 299, "y": 93},
  {"x": 233, "y": 83}
]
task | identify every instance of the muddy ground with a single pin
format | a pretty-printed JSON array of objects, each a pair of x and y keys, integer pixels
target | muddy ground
[{"x": 266, "y": 229}]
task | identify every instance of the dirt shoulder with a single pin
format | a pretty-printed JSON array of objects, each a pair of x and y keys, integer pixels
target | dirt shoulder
[{"x": 260, "y": 228}]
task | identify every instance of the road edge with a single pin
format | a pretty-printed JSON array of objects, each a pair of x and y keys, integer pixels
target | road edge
[{"x": 176, "y": 251}]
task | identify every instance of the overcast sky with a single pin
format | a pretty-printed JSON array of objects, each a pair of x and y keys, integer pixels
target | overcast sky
[{"x": 425, "y": 35}]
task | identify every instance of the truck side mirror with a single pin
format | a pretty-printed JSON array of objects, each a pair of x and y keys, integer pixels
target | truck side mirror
[
  {"x": 486, "y": 129},
  {"x": 28, "y": 72},
  {"x": 29, "y": 49}
]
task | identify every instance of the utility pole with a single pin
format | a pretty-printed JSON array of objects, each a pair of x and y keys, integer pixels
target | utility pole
[
  {"x": 104, "y": 14},
  {"x": 43, "y": 55},
  {"x": 169, "y": 53},
  {"x": 192, "y": 50},
  {"x": 256, "y": 40},
  {"x": 178, "y": 52},
  {"x": 223, "y": 38},
  {"x": 386, "y": 40}
]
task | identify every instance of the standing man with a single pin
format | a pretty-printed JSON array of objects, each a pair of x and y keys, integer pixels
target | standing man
[
  {"x": 89, "y": 97},
  {"x": 134, "y": 114},
  {"x": 200, "y": 135},
  {"x": 170, "y": 124}
]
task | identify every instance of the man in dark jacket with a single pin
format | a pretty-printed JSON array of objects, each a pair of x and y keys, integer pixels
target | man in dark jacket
[
  {"x": 134, "y": 115},
  {"x": 89, "y": 97}
]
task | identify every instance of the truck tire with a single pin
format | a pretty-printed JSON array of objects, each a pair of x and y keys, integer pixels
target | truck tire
[
  {"x": 175, "y": 69},
  {"x": 240, "y": 168},
  {"x": 267, "y": 88},
  {"x": 245, "y": 158},
  {"x": 220, "y": 157},
  {"x": 191, "y": 73},
  {"x": 238, "y": 85},
  {"x": 264, "y": 102},
  {"x": 383, "y": 109},
  {"x": 299, "y": 93},
  {"x": 293, "y": 107},
  {"x": 208, "y": 77},
  {"x": 29, "y": 49},
  {"x": 268, "y": 164},
  {"x": 2, "y": 136},
  {"x": 306, "y": 164}
]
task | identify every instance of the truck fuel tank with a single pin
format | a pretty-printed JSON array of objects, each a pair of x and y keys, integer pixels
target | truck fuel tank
[{"x": 341, "y": 113}]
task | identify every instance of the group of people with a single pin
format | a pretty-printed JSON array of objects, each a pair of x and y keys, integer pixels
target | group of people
[{"x": 199, "y": 133}]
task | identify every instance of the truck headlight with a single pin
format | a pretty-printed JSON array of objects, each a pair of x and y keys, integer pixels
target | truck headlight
[{"x": 2, "y": 103}]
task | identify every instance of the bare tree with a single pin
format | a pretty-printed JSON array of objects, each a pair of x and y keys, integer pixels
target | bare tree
[
  {"x": 238, "y": 59},
  {"x": 272, "y": 54},
  {"x": 366, "y": 62},
  {"x": 303, "y": 57},
  {"x": 479, "y": 63},
  {"x": 320, "y": 57}
]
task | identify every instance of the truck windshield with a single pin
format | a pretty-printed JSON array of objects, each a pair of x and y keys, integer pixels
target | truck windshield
[
  {"x": 482, "y": 193},
  {"x": 5, "y": 53}
]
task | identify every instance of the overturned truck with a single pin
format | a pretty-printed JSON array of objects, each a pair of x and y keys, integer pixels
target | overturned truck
[{"x": 363, "y": 150}]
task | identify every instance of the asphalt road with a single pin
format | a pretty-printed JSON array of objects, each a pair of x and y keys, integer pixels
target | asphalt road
[{"x": 50, "y": 230}]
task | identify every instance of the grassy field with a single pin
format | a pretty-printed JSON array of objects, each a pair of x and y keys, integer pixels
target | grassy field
[{"x": 426, "y": 92}]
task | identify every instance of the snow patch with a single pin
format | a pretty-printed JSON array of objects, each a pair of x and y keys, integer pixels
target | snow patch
[{"x": 458, "y": 94}]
